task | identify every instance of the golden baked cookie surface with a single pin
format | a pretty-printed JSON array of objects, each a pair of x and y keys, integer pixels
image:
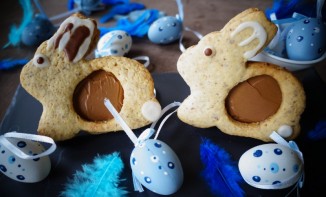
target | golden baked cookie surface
[
  {"x": 57, "y": 70},
  {"x": 219, "y": 63}
]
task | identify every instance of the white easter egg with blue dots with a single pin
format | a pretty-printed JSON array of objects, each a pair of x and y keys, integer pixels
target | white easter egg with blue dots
[
  {"x": 114, "y": 43},
  {"x": 270, "y": 166},
  {"x": 306, "y": 39},
  {"x": 24, "y": 170},
  {"x": 165, "y": 30},
  {"x": 157, "y": 167}
]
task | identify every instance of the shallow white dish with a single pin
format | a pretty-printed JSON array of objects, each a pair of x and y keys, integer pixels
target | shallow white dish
[{"x": 291, "y": 65}]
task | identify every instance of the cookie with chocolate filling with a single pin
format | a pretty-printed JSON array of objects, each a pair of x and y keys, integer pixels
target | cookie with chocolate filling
[
  {"x": 72, "y": 89},
  {"x": 243, "y": 98}
]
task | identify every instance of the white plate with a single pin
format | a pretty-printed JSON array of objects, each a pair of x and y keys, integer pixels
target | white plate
[{"x": 291, "y": 65}]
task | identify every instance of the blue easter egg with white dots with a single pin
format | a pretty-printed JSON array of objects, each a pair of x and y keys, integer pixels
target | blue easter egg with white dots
[
  {"x": 114, "y": 43},
  {"x": 165, "y": 30},
  {"x": 24, "y": 170},
  {"x": 37, "y": 31},
  {"x": 157, "y": 167},
  {"x": 306, "y": 39},
  {"x": 269, "y": 165}
]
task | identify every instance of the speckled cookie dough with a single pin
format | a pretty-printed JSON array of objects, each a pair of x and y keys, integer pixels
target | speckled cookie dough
[
  {"x": 243, "y": 98},
  {"x": 72, "y": 89}
]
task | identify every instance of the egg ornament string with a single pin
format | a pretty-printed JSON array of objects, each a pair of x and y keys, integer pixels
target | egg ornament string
[
  {"x": 273, "y": 166},
  {"x": 168, "y": 29},
  {"x": 154, "y": 164},
  {"x": 23, "y": 158}
]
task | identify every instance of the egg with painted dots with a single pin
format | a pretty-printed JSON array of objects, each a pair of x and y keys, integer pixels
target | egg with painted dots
[
  {"x": 157, "y": 167},
  {"x": 165, "y": 30},
  {"x": 270, "y": 166},
  {"x": 24, "y": 170},
  {"x": 114, "y": 43},
  {"x": 306, "y": 39}
]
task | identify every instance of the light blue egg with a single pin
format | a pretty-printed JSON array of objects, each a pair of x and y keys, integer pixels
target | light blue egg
[
  {"x": 114, "y": 43},
  {"x": 306, "y": 40},
  {"x": 157, "y": 167},
  {"x": 165, "y": 30}
]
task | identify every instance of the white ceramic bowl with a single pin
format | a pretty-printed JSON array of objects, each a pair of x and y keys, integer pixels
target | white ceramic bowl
[{"x": 291, "y": 65}]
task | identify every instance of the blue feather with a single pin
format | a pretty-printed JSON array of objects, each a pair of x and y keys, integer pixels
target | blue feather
[
  {"x": 101, "y": 178},
  {"x": 121, "y": 9},
  {"x": 319, "y": 132},
  {"x": 220, "y": 172},
  {"x": 113, "y": 2},
  {"x": 138, "y": 27},
  {"x": 8, "y": 64},
  {"x": 15, "y": 32},
  {"x": 70, "y": 4}
]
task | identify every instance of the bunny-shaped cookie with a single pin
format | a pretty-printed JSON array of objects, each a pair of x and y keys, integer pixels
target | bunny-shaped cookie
[
  {"x": 243, "y": 98},
  {"x": 72, "y": 89}
]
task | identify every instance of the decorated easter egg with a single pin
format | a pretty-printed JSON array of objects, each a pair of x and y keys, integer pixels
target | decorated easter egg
[
  {"x": 157, "y": 167},
  {"x": 37, "y": 31},
  {"x": 165, "y": 30},
  {"x": 306, "y": 40},
  {"x": 24, "y": 170},
  {"x": 270, "y": 166},
  {"x": 114, "y": 43}
]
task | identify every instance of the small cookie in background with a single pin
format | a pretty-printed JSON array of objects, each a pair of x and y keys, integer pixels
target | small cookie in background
[{"x": 242, "y": 98}]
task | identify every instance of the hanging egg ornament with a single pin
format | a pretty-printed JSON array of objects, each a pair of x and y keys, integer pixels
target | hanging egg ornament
[
  {"x": 306, "y": 40},
  {"x": 271, "y": 166},
  {"x": 37, "y": 31},
  {"x": 24, "y": 170},
  {"x": 165, "y": 30},
  {"x": 157, "y": 167},
  {"x": 114, "y": 43}
]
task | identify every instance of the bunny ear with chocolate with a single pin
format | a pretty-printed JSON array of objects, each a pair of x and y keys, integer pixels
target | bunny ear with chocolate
[
  {"x": 77, "y": 37},
  {"x": 240, "y": 97}
]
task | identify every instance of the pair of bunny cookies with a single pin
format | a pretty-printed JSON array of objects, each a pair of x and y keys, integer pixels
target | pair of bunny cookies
[{"x": 241, "y": 98}]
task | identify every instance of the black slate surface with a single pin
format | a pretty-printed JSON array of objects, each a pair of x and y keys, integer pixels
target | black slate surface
[{"x": 24, "y": 112}]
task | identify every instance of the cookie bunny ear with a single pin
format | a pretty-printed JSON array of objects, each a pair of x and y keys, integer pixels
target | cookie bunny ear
[
  {"x": 258, "y": 33},
  {"x": 76, "y": 36},
  {"x": 250, "y": 32}
]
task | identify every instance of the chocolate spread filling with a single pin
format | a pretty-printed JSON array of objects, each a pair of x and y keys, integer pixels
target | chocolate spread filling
[
  {"x": 254, "y": 100},
  {"x": 88, "y": 98}
]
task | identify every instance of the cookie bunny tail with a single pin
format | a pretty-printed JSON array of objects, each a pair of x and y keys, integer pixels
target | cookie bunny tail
[{"x": 220, "y": 173}]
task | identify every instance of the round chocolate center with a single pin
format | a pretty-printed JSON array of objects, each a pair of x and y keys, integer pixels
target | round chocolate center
[
  {"x": 254, "y": 100},
  {"x": 89, "y": 96}
]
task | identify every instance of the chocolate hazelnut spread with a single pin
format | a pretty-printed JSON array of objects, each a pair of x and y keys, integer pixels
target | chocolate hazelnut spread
[
  {"x": 254, "y": 100},
  {"x": 89, "y": 96}
]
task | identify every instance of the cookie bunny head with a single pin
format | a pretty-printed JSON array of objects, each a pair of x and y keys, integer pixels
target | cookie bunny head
[
  {"x": 240, "y": 97},
  {"x": 72, "y": 88}
]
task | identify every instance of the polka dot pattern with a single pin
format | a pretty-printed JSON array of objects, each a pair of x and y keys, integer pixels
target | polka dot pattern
[
  {"x": 270, "y": 164},
  {"x": 24, "y": 170},
  {"x": 156, "y": 166}
]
